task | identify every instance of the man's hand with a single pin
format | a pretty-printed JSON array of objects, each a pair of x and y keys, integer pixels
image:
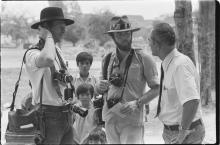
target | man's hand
[
  {"x": 43, "y": 33},
  {"x": 103, "y": 85},
  {"x": 181, "y": 136},
  {"x": 129, "y": 107}
]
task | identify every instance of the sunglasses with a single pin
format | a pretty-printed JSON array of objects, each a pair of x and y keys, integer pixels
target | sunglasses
[{"x": 120, "y": 26}]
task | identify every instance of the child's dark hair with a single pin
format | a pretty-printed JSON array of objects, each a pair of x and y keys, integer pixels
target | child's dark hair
[
  {"x": 83, "y": 56},
  {"x": 84, "y": 88},
  {"x": 98, "y": 134}
]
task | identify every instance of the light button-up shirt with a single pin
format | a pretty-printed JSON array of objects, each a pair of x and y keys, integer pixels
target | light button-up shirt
[{"x": 181, "y": 84}]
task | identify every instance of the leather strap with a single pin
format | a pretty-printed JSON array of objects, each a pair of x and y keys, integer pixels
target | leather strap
[{"x": 19, "y": 77}]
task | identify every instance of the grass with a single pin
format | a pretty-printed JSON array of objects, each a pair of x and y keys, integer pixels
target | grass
[{"x": 9, "y": 78}]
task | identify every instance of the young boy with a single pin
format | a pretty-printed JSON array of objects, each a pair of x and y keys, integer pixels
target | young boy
[
  {"x": 84, "y": 61},
  {"x": 97, "y": 136},
  {"x": 83, "y": 126}
]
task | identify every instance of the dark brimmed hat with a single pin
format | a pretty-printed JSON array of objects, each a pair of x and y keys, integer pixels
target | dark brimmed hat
[
  {"x": 50, "y": 14},
  {"x": 120, "y": 24}
]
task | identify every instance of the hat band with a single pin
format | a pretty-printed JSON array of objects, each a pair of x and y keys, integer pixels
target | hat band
[
  {"x": 120, "y": 26},
  {"x": 53, "y": 18}
]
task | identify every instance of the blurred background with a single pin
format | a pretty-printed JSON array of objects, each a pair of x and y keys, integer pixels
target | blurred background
[{"x": 193, "y": 21}]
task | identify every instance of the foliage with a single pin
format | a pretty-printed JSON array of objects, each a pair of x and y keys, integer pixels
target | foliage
[
  {"x": 99, "y": 24},
  {"x": 74, "y": 33},
  {"x": 18, "y": 28}
]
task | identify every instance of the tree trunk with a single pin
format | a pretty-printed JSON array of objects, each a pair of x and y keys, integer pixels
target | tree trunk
[
  {"x": 184, "y": 25},
  {"x": 206, "y": 41}
]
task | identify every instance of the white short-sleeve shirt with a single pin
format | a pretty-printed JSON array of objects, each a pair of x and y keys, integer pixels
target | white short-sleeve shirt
[
  {"x": 181, "y": 84},
  {"x": 50, "y": 96}
]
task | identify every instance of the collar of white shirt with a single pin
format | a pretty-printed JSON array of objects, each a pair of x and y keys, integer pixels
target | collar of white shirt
[
  {"x": 79, "y": 77},
  {"x": 168, "y": 58}
]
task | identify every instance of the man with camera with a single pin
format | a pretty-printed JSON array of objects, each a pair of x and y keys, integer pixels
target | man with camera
[
  {"x": 128, "y": 72},
  {"x": 49, "y": 77}
]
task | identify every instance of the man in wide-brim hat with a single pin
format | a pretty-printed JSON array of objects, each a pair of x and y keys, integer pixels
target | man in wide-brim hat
[
  {"x": 123, "y": 110},
  {"x": 42, "y": 61}
]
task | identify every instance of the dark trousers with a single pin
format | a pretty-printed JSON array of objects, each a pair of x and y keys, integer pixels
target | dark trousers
[{"x": 59, "y": 127}]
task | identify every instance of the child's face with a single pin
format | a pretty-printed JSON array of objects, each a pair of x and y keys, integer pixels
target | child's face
[
  {"x": 85, "y": 99},
  {"x": 84, "y": 66}
]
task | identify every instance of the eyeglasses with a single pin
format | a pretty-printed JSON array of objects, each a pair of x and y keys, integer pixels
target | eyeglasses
[
  {"x": 119, "y": 18},
  {"x": 120, "y": 26}
]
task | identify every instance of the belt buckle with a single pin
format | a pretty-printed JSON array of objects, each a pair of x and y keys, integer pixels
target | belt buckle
[{"x": 65, "y": 111}]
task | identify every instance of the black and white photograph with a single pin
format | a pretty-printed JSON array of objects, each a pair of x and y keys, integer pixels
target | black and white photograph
[{"x": 109, "y": 72}]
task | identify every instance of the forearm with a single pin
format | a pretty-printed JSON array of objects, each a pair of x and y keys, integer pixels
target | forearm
[
  {"x": 149, "y": 96},
  {"x": 189, "y": 112},
  {"x": 48, "y": 53}
]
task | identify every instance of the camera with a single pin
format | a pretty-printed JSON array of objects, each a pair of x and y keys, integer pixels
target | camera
[
  {"x": 61, "y": 76},
  {"x": 68, "y": 93},
  {"x": 112, "y": 101},
  {"x": 116, "y": 79},
  {"x": 98, "y": 102},
  {"x": 79, "y": 110}
]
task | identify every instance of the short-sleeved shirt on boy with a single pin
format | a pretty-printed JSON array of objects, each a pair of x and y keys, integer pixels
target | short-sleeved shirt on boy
[{"x": 90, "y": 80}]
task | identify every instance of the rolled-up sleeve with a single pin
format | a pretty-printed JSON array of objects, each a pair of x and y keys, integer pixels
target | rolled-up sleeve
[
  {"x": 31, "y": 58},
  {"x": 150, "y": 71},
  {"x": 185, "y": 83}
]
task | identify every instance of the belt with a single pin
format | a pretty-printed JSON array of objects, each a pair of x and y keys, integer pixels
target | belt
[
  {"x": 176, "y": 127},
  {"x": 49, "y": 108}
]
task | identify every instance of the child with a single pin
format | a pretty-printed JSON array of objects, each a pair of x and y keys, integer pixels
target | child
[
  {"x": 97, "y": 136},
  {"x": 84, "y": 61},
  {"x": 84, "y": 125}
]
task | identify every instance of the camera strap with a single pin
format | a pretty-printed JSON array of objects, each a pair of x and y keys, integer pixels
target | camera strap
[
  {"x": 63, "y": 65},
  {"x": 127, "y": 65},
  {"x": 19, "y": 77}
]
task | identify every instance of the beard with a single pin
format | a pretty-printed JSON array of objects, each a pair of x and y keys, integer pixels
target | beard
[{"x": 126, "y": 46}]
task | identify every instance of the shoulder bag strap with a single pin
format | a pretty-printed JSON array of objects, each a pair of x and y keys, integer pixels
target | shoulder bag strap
[
  {"x": 41, "y": 93},
  {"x": 17, "y": 83}
]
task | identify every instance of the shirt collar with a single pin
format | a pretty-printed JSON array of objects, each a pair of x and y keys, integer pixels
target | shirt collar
[
  {"x": 78, "y": 76},
  {"x": 169, "y": 58}
]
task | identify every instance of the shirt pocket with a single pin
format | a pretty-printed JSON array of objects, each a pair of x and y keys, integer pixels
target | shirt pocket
[
  {"x": 172, "y": 97},
  {"x": 134, "y": 72}
]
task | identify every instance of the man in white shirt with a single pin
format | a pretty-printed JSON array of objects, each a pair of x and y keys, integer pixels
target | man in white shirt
[
  {"x": 179, "y": 106},
  {"x": 42, "y": 63}
]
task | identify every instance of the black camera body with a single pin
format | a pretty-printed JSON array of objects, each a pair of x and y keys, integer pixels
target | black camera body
[
  {"x": 79, "y": 110},
  {"x": 61, "y": 76},
  {"x": 116, "y": 79},
  {"x": 112, "y": 101},
  {"x": 68, "y": 93},
  {"x": 98, "y": 103}
]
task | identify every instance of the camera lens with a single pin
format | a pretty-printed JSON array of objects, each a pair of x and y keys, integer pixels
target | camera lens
[{"x": 80, "y": 110}]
